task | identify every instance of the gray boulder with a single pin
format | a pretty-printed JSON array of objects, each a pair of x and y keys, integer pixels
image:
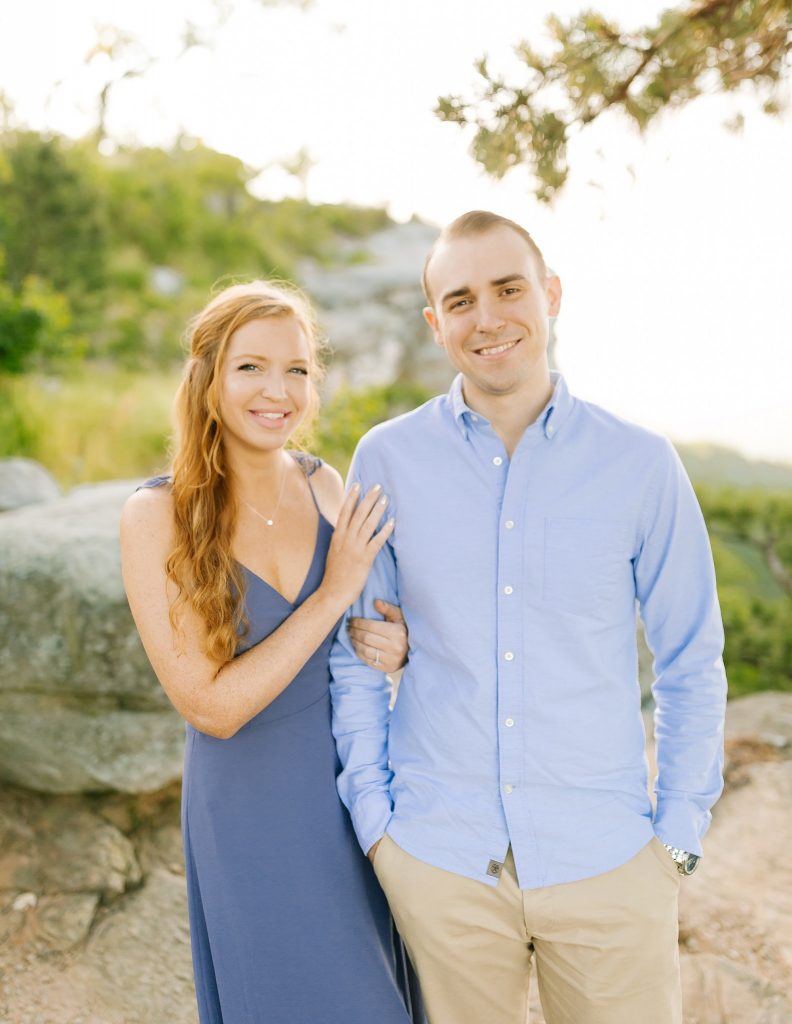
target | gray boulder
[
  {"x": 80, "y": 708},
  {"x": 25, "y": 482}
]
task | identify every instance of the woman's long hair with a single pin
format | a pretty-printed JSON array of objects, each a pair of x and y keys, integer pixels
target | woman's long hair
[{"x": 207, "y": 578}]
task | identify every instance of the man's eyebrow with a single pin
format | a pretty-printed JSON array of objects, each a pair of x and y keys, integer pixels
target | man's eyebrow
[
  {"x": 508, "y": 279},
  {"x": 497, "y": 283},
  {"x": 455, "y": 294}
]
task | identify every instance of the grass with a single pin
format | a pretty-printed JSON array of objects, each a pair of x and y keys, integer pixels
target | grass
[
  {"x": 91, "y": 424},
  {"x": 100, "y": 422}
]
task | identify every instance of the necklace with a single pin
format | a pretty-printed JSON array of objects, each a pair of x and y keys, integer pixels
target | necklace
[{"x": 269, "y": 521}]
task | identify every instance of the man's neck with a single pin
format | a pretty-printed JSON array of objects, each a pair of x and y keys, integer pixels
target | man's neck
[{"x": 510, "y": 415}]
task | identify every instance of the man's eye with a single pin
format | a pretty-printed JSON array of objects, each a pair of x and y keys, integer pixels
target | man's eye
[
  {"x": 511, "y": 291},
  {"x": 459, "y": 303}
]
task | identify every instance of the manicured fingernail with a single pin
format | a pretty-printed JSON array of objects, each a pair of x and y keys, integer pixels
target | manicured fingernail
[
  {"x": 377, "y": 487},
  {"x": 383, "y": 500},
  {"x": 355, "y": 487}
]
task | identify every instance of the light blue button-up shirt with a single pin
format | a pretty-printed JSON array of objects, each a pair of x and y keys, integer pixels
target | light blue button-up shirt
[{"x": 518, "y": 715}]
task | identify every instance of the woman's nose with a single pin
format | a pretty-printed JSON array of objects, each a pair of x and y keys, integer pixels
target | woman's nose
[{"x": 273, "y": 386}]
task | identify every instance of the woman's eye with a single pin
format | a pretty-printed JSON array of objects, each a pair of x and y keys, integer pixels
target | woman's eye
[
  {"x": 248, "y": 366},
  {"x": 300, "y": 370}
]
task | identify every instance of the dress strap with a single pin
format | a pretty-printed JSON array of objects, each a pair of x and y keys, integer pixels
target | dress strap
[
  {"x": 155, "y": 481},
  {"x": 309, "y": 465}
]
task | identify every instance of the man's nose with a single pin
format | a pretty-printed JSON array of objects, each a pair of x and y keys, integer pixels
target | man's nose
[{"x": 489, "y": 317}]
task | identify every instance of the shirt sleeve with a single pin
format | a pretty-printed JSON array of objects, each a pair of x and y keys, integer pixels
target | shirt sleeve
[
  {"x": 675, "y": 584},
  {"x": 361, "y": 704}
]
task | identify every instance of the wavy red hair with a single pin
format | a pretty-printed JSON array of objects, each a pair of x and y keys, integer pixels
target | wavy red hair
[{"x": 207, "y": 577}]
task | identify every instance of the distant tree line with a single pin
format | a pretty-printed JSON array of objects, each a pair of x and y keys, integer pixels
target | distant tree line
[{"x": 107, "y": 256}]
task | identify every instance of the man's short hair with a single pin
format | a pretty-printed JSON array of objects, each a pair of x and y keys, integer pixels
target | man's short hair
[{"x": 477, "y": 222}]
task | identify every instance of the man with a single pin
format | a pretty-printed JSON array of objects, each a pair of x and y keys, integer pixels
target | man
[{"x": 504, "y": 801}]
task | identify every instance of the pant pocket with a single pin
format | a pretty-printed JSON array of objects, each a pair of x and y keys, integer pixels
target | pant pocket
[{"x": 662, "y": 854}]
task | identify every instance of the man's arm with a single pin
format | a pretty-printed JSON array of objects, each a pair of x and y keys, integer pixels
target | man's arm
[
  {"x": 361, "y": 704},
  {"x": 675, "y": 584}
]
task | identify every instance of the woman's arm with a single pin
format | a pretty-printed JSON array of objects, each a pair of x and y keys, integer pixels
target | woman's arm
[{"x": 220, "y": 701}]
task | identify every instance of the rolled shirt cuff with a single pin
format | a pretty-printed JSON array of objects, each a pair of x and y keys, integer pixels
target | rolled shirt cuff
[
  {"x": 370, "y": 818},
  {"x": 680, "y": 823}
]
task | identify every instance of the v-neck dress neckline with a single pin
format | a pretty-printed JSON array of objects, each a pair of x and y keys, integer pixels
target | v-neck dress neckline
[
  {"x": 308, "y": 466},
  {"x": 308, "y": 576}
]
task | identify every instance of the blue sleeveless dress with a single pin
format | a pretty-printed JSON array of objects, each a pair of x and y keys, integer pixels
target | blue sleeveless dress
[{"x": 287, "y": 921}]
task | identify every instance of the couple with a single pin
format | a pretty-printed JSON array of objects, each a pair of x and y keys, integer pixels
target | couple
[{"x": 503, "y": 801}]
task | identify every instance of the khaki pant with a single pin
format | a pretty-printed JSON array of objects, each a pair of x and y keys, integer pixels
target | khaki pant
[{"x": 605, "y": 948}]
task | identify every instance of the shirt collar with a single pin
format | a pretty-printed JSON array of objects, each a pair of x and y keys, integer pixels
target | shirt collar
[{"x": 551, "y": 417}]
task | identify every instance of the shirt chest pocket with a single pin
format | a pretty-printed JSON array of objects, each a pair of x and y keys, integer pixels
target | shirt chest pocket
[{"x": 586, "y": 564}]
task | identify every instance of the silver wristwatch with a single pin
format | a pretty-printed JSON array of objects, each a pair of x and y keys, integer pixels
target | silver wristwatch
[{"x": 686, "y": 862}]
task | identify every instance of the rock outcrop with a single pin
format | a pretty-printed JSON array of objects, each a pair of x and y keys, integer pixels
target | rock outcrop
[
  {"x": 25, "y": 482},
  {"x": 80, "y": 708},
  {"x": 93, "y": 910}
]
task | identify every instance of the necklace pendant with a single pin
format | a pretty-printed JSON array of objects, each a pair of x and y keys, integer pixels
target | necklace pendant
[{"x": 269, "y": 522}]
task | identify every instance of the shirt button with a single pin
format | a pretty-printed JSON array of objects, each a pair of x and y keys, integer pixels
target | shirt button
[
  {"x": 509, "y": 524},
  {"x": 508, "y": 788},
  {"x": 508, "y": 656},
  {"x": 509, "y": 722},
  {"x": 497, "y": 461},
  {"x": 508, "y": 590},
  {"x": 474, "y": 419},
  {"x": 551, "y": 431}
]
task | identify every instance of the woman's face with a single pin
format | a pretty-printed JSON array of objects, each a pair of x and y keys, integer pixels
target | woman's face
[{"x": 265, "y": 383}]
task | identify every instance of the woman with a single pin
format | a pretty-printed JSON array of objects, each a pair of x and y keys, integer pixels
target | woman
[{"x": 237, "y": 580}]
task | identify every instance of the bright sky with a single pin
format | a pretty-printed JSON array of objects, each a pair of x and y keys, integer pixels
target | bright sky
[{"x": 673, "y": 248}]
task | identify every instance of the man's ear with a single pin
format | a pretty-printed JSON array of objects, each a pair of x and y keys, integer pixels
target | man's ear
[
  {"x": 553, "y": 288},
  {"x": 431, "y": 318}
]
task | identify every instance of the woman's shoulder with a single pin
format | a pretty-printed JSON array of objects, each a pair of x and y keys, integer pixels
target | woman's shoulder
[
  {"x": 326, "y": 482},
  {"x": 149, "y": 507}
]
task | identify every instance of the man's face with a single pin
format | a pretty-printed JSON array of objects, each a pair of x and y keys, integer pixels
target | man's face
[{"x": 490, "y": 311}]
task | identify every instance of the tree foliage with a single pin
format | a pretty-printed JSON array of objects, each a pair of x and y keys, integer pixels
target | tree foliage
[
  {"x": 594, "y": 65},
  {"x": 52, "y": 223},
  {"x": 752, "y": 543},
  {"x": 121, "y": 249}
]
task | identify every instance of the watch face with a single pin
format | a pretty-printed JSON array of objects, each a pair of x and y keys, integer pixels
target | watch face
[{"x": 689, "y": 864}]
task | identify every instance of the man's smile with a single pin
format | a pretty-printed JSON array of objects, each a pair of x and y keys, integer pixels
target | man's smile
[{"x": 491, "y": 351}]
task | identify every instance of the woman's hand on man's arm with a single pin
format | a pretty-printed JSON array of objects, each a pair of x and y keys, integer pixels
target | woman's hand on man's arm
[{"x": 381, "y": 643}]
